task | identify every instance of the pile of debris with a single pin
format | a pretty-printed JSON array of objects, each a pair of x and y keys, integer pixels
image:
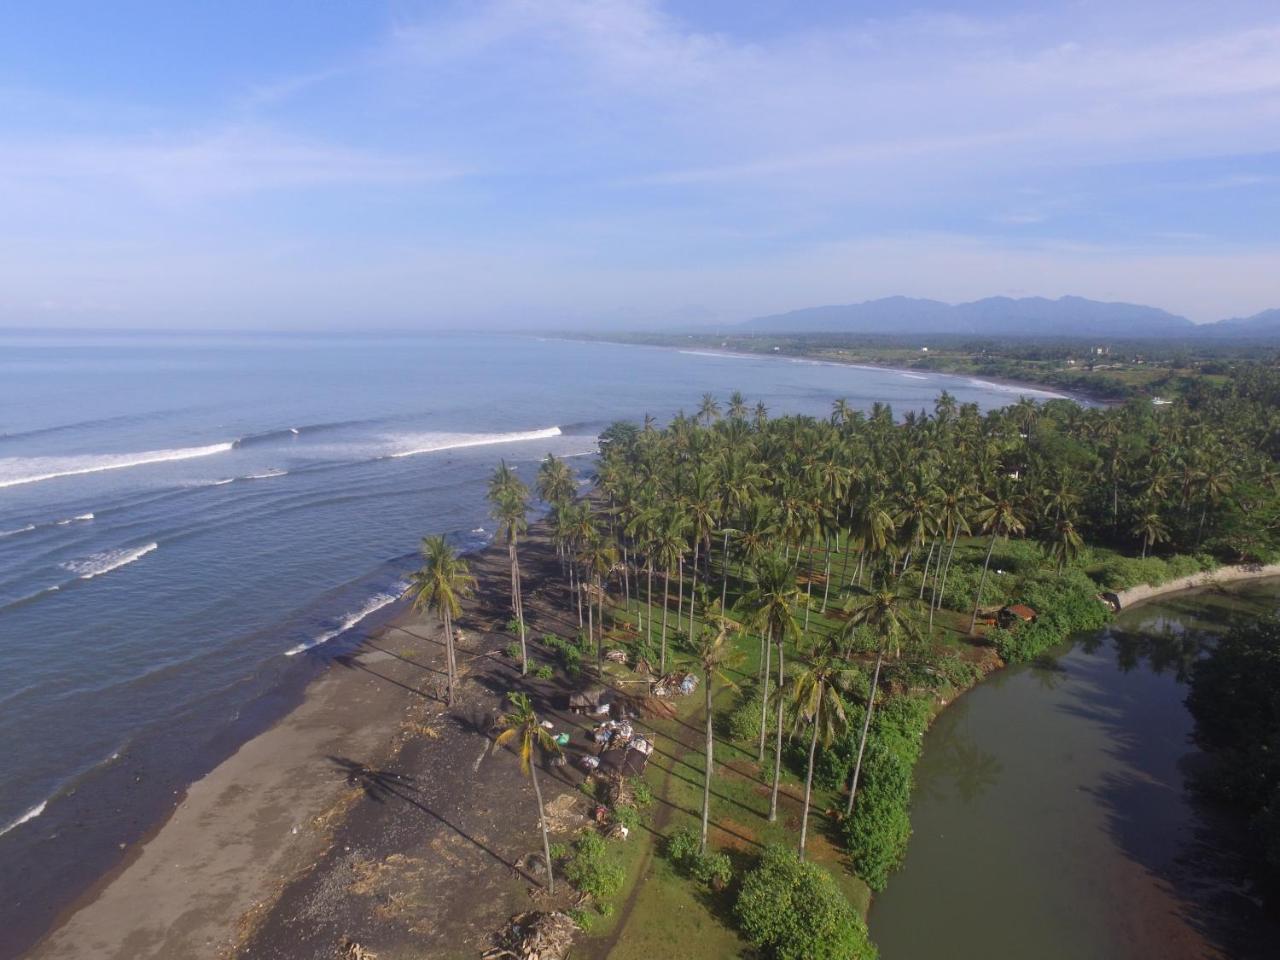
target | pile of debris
[
  {"x": 679, "y": 684},
  {"x": 535, "y": 936}
]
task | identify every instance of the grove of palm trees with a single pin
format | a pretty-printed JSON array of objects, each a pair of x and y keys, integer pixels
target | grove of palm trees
[{"x": 834, "y": 582}]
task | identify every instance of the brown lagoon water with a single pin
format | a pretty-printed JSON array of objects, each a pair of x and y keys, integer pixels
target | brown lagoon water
[{"x": 1052, "y": 817}]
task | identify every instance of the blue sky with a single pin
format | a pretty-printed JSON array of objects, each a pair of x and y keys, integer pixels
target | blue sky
[{"x": 334, "y": 163}]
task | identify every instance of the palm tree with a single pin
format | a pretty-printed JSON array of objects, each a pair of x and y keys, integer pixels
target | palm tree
[
  {"x": 714, "y": 653},
  {"x": 888, "y": 621},
  {"x": 816, "y": 700},
  {"x": 509, "y": 498},
  {"x": 1000, "y": 517},
  {"x": 443, "y": 580},
  {"x": 772, "y": 606},
  {"x": 1149, "y": 528},
  {"x": 668, "y": 547},
  {"x": 1067, "y": 543},
  {"x": 599, "y": 557},
  {"x": 555, "y": 481},
  {"x": 709, "y": 409},
  {"x": 522, "y": 727}
]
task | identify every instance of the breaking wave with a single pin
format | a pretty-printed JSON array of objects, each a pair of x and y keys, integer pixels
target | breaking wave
[
  {"x": 374, "y": 604},
  {"x": 105, "y": 562},
  {"x": 81, "y": 517},
  {"x": 18, "y": 470},
  {"x": 434, "y": 442},
  {"x": 13, "y": 533},
  {"x": 29, "y": 815}
]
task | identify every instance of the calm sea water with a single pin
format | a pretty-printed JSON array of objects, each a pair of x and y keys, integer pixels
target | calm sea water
[{"x": 180, "y": 518}]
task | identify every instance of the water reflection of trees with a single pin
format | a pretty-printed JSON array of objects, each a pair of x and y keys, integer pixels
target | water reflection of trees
[{"x": 958, "y": 767}]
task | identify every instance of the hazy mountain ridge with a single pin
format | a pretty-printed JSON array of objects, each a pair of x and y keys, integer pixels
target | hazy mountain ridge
[{"x": 1004, "y": 316}]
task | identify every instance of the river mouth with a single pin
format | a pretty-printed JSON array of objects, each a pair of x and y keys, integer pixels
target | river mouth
[{"x": 1052, "y": 816}]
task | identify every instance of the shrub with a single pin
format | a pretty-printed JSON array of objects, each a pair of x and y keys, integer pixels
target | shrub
[
  {"x": 627, "y": 815},
  {"x": 792, "y": 910},
  {"x": 712, "y": 868},
  {"x": 641, "y": 792},
  {"x": 513, "y": 626},
  {"x": 682, "y": 846},
  {"x": 742, "y": 723},
  {"x": 877, "y": 833},
  {"x": 592, "y": 869},
  {"x": 1064, "y": 604},
  {"x": 513, "y": 651},
  {"x": 544, "y": 671}
]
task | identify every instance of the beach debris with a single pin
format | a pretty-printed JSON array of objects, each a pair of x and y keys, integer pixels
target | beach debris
[
  {"x": 588, "y": 762},
  {"x": 616, "y": 655},
  {"x": 535, "y": 936},
  {"x": 565, "y": 813},
  {"x": 350, "y": 950},
  {"x": 547, "y": 725},
  {"x": 562, "y": 739},
  {"x": 679, "y": 684}
]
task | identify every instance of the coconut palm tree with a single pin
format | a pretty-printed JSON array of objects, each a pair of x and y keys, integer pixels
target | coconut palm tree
[
  {"x": 668, "y": 547},
  {"x": 714, "y": 652},
  {"x": 771, "y": 606},
  {"x": 555, "y": 481},
  {"x": 520, "y": 726},
  {"x": 1067, "y": 543},
  {"x": 509, "y": 505},
  {"x": 442, "y": 582},
  {"x": 1000, "y": 516},
  {"x": 888, "y": 618},
  {"x": 817, "y": 700},
  {"x": 1149, "y": 528}
]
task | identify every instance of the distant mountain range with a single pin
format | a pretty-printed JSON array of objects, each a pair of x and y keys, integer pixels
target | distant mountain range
[{"x": 1006, "y": 316}]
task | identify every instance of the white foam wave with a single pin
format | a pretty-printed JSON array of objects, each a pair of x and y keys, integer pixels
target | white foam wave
[
  {"x": 105, "y": 562},
  {"x": 13, "y": 533},
  {"x": 81, "y": 517},
  {"x": 18, "y": 470},
  {"x": 265, "y": 475},
  {"x": 434, "y": 442},
  {"x": 914, "y": 376},
  {"x": 29, "y": 815},
  {"x": 294, "y": 431},
  {"x": 1015, "y": 388},
  {"x": 374, "y": 604}
]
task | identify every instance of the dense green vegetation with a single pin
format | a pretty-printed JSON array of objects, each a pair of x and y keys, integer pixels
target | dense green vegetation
[
  {"x": 1235, "y": 699},
  {"x": 1116, "y": 369},
  {"x": 832, "y": 582}
]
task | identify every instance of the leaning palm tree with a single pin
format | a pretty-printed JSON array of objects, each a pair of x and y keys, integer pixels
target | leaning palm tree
[
  {"x": 714, "y": 654},
  {"x": 521, "y": 727},
  {"x": 817, "y": 700},
  {"x": 443, "y": 580},
  {"x": 887, "y": 618}
]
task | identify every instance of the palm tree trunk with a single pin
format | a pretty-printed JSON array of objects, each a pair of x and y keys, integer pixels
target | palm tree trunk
[
  {"x": 649, "y": 605},
  {"x": 666, "y": 594},
  {"x": 866, "y": 725},
  {"x": 808, "y": 595},
  {"x": 706, "y": 780},
  {"x": 826, "y": 582},
  {"x": 542, "y": 822},
  {"x": 591, "y": 632},
  {"x": 777, "y": 747},
  {"x": 767, "y": 641},
  {"x": 680, "y": 597},
  {"x": 924, "y": 577},
  {"x": 981, "y": 583},
  {"x": 693, "y": 584},
  {"x": 946, "y": 569},
  {"x": 448, "y": 652},
  {"x": 519, "y": 607},
  {"x": 724, "y": 573},
  {"x": 808, "y": 785}
]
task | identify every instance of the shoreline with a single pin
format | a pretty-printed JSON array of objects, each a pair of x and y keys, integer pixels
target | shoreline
[
  {"x": 259, "y": 816},
  {"x": 1232, "y": 573},
  {"x": 331, "y": 711},
  {"x": 1045, "y": 392}
]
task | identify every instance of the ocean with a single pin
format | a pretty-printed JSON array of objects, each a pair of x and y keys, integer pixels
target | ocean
[{"x": 191, "y": 525}]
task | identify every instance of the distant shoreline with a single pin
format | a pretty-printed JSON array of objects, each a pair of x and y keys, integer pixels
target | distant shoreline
[{"x": 1044, "y": 391}]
